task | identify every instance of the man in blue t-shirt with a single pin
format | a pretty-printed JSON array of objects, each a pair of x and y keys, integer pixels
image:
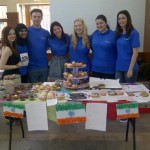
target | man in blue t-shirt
[{"x": 37, "y": 45}]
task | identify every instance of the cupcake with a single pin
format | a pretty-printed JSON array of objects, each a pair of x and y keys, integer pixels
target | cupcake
[
  {"x": 102, "y": 93},
  {"x": 42, "y": 97},
  {"x": 51, "y": 95},
  {"x": 119, "y": 92}
]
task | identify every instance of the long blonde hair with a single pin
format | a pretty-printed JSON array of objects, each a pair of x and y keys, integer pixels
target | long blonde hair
[{"x": 85, "y": 39}]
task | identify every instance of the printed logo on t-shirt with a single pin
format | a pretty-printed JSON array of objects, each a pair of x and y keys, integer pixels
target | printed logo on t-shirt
[
  {"x": 127, "y": 39},
  {"x": 43, "y": 38},
  {"x": 108, "y": 41}
]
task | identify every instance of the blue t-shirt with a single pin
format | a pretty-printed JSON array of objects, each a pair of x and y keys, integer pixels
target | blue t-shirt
[
  {"x": 37, "y": 47},
  {"x": 80, "y": 54},
  {"x": 125, "y": 47},
  {"x": 104, "y": 51},
  {"x": 58, "y": 46},
  {"x": 21, "y": 50}
]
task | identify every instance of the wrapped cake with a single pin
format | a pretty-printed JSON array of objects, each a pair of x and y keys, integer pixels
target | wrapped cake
[{"x": 11, "y": 81}]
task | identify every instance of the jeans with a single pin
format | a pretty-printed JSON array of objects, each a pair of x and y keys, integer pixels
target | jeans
[
  {"x": 38, "y": 75},
  {"x": 122, "y": 76}
]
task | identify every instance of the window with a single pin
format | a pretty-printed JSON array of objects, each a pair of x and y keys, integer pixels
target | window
[
  {"x": 3, "y": 18},
  {"x": 24, "y": 13}
]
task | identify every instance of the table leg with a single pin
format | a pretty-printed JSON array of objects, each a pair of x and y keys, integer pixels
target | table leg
[
  {"x": 21, "y": 128},
  {"x": 11, "y": 120},
  {"x": 133, "y": 123},
  {"x": 134, "y": 138},
  {"x": 127, "y": 130}
]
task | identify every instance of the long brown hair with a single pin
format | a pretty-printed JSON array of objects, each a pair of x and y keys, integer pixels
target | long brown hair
[
  {"x": 5, "y": 41},
  {"x": 129, "y": 26}
]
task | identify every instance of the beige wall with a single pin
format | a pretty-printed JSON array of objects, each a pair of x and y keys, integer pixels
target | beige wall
[{"x": 12, "y": 4}]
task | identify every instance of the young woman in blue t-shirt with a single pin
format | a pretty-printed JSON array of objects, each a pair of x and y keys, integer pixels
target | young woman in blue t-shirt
[
  {"x": 21, "y": 36},
  {"x": 103, "y": 42},
  {"x": 80, "y": 44},
  {"x": 127, "y": 48},
  {"x": 59, "y": 45}
]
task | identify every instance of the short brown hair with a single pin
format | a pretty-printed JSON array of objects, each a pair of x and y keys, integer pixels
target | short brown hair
[{"x": 36, "y": 10}]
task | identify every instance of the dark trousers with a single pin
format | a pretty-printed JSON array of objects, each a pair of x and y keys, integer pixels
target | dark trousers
[{"x": 103, "y": 75}]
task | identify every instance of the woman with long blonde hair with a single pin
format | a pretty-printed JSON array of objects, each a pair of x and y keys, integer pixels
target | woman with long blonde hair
[{"x": 80, "y": 44}]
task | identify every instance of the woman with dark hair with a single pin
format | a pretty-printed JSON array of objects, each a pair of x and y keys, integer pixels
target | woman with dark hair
[
  {"x": 59, "y": 45},
  {"x": 103, "y": 42},
  {"x": 9, "y": 61},
  {"x": 21, "y": 35},
  {"x": 127, "y": 48}
]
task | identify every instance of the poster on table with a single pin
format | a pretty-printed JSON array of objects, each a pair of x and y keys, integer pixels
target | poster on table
[
  {"x": 36, "y": 116},
  {"x": 96, "y": 116},
  {"x": 128, "y": 110},
  {"x": 67, "y": 113},
  {"x": 13, "y": 110}
]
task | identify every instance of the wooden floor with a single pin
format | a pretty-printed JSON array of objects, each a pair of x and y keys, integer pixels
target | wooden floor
[{"x": 75, "y": 137}]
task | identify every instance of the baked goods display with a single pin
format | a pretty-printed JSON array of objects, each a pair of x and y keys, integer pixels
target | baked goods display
[{"x": 75, "y": 79}]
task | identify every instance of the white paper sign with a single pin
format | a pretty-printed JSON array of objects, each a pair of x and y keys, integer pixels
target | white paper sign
[
  {"x": 109, "y": 83},
  {"x": 96, "y": 116},
  {"x": 36, "y": 116},
  {"x": 24, "y": 59},
  {"x": 51, "y": 102},
  {"x": 134, "y": 87}
]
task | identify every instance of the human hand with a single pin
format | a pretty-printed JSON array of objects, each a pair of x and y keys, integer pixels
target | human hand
[
  {"x": 19, "y": 64},
  {"x": 129, "y": 73}
]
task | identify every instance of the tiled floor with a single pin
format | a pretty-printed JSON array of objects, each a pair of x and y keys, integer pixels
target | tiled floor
[{"x": 75, "y": 137}]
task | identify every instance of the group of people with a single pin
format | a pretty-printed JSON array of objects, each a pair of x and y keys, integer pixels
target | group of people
[{"x": 114, "y": 53}]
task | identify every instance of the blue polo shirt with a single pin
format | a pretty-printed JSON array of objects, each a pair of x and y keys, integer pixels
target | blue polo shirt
[
  {"x": 80, "y": 54},
  {"x": 125, "y": 47},
  {"x": 37, "y": 47},
  {"x": 58, "y": 46},
  {"x": 22, "y": 49},
  {"x": 104, "y": 51}
]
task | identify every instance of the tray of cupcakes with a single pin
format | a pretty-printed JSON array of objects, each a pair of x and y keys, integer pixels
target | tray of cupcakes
[
  {"x": 51, "y": 95},
  {"x": 76, "y": 78},
  {"x": 74, "y": 64},
  {"x": 37, "y": 91},
  {"x": 79, "y": 75},
  {"x": 21, "y": 93}
]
